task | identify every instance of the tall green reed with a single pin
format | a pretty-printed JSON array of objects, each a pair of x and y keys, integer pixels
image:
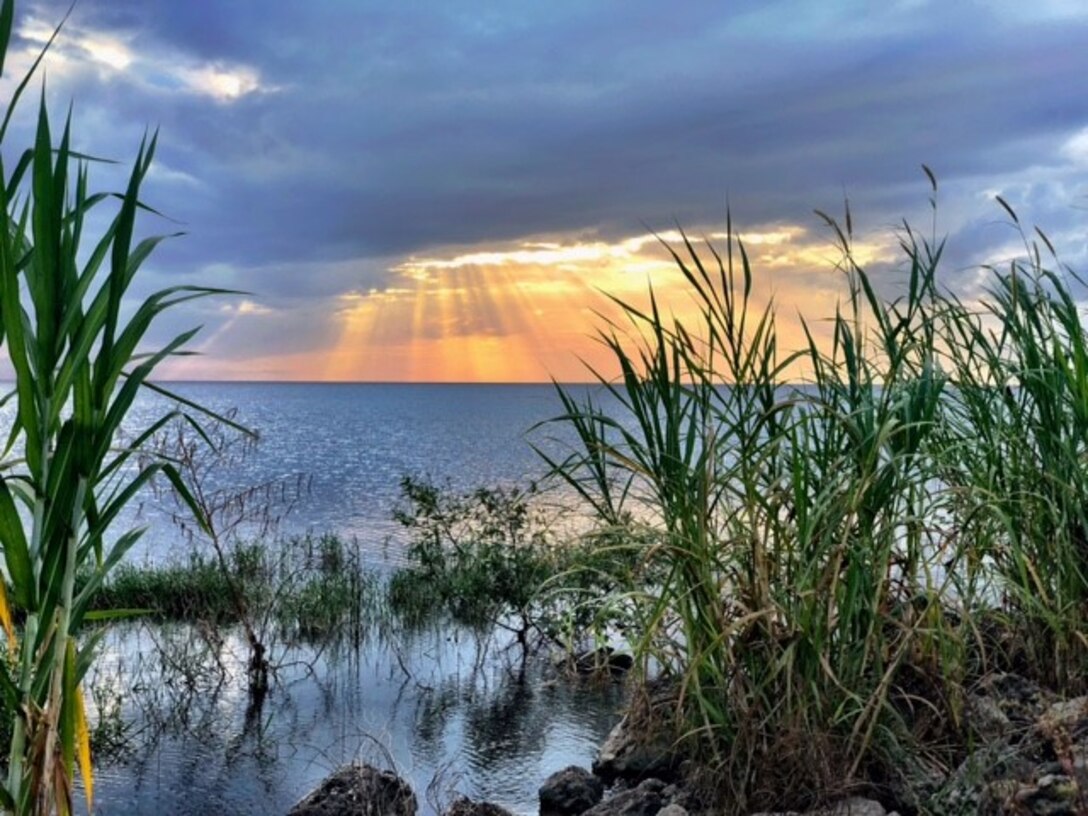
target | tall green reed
[
  {"x": 79, "y": 364},
  {"x": 1018, "y": 453},
  {"x": 802, "y": 571}
]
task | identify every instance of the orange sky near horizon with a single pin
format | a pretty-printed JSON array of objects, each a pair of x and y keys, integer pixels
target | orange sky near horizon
[{"x": 526, "y": 312}]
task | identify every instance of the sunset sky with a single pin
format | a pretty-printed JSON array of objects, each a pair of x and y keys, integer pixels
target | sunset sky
[{"x": 442, "y": 190}]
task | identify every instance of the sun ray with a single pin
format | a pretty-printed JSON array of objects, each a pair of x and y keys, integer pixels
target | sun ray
[{"x": 528, "y": 312}]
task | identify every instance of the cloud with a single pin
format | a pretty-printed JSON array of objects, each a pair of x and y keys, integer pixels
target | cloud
[
  {"x": 1076, "y": 148},
  {"x": 317, "y": 151},
  {"x": 123, "y": 56},
  {"x": 523, "y": 311}
]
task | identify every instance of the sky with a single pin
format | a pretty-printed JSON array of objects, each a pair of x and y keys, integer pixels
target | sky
[{"x": 449, "y": 191}]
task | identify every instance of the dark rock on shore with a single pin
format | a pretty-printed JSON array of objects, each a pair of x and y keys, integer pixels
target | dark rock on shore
[
  {"x": 359, "y": 790},
  {"x": 649, "y": 798},
  {"x": 854, "y": 806},
  {"x": 630, "y": 753},
  {"x": 466, "y": 807},
  {"x": 1029, "y": 758},
  {"x": 570, "y": 792},
  {"x": 1032, "y": 756},
  {"x": 642, "y": 745}
]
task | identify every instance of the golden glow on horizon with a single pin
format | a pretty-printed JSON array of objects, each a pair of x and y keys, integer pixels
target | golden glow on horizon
[{"x": 528, "y": 312}]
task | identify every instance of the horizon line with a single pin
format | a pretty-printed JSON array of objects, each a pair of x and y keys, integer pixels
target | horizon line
[{"x": 224, "y": 381}]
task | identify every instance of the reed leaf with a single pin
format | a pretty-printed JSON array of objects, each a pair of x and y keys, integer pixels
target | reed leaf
[{"x": 79, "y": 365}]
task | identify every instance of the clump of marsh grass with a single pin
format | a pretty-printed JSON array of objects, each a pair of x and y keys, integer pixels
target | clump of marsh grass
[
  {"x": 1018, "y": 454},
  {"x": 296, "y": 589},
  {"x": 825, "y": 552}
]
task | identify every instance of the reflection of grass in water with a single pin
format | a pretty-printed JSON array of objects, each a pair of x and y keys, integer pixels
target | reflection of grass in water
[{"x": 183, "y": 694}]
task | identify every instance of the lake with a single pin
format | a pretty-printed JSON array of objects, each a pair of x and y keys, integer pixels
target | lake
[
  {"x": 450, "y": 712},
  {"x": 353, "y": 442}
]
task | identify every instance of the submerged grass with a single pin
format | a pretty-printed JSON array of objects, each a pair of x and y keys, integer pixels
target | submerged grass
[
  {"x": 827, "y": 553},
  {"x": 308, "y": 588}
]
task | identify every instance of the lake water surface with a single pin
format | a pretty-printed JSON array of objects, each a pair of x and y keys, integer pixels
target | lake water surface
[
  {"x": 354, "y": 442},
  {"x": 449, "y": 712}
]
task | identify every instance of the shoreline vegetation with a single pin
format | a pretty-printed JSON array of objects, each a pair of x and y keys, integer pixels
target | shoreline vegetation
[
  {"x": 814, "y": 583},
  {"x": 76, "y": 335},
  {"x": 841, "y": 565}
]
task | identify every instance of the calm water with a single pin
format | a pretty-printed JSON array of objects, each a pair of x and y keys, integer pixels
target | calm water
[
  {"x": 450, "y": 714},
  {"x": 446, "y": 711},
  {"x": 354, "y": 442}
]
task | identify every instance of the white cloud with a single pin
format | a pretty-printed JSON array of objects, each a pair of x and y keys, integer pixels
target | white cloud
[
  {"x": 1076, "y": 148},
  {"x": 222, "y": 83},
  {"x": 248, "y": 307},
  {"x": 168, "y": 175},
  {"x": 108, "y": 51},
  {"x": 123, "y": 56}
]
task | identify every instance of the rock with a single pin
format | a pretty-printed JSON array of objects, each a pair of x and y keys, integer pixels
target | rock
[
  {"x": 648, "y": 799},
  {"x": 982, "y": 780},
  {"x": 1065, "y": 727},
  {"x": 986, "y": 719},
  {"x": 1052, "y": 795},
  {"x": 914, "y": 782},
  {"x": 672, "y": 810},
  {"x": 1020, "y": 730},
  {"x": 857, "y": 806},
  {"x": 1003, "y": 706},
  {"x": 1070, "y": 715},
  {"x": 570, "y": 791},
  {"x": 466, "y": 807},
  {"x": 1020, "y": 700},
  {"x": 1038, "y": 768},
  {"x": 643, "y": 743},
  {"x": 629, "y": 753},
  {"x": 359, "y": 790},
  {"x": 854, "y": 806}
]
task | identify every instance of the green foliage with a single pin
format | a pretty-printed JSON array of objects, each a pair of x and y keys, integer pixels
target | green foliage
[
  {"x": 491, "y": 557},
  {"x": 310, "y": 588},
  {"x": 479, "y": 556},
  {"x": 79, "y": 364},
  {"x": 823, "y": 551},
  {"x": 1018, "y": 445}
]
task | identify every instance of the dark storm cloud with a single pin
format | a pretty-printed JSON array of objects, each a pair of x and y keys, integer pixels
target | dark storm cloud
[{"x": 386, "y": 129}]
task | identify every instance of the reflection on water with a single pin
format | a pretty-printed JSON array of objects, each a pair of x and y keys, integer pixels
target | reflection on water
[
  {"x": 451, "y": 712},
  {"x": 439, "y": 707}
]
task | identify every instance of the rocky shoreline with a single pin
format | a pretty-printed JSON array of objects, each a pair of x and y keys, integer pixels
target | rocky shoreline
[{"x": 1028, "y": 757}]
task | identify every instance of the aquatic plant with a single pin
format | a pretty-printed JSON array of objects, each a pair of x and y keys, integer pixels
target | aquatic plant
[
  {"x": 202, "y": 459},
  {"x": 78, "y": 365},
  {"x": 492, "y": 557},
  {"x": 482, "y": 556},
  {"x": 293, "y": 589}
]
